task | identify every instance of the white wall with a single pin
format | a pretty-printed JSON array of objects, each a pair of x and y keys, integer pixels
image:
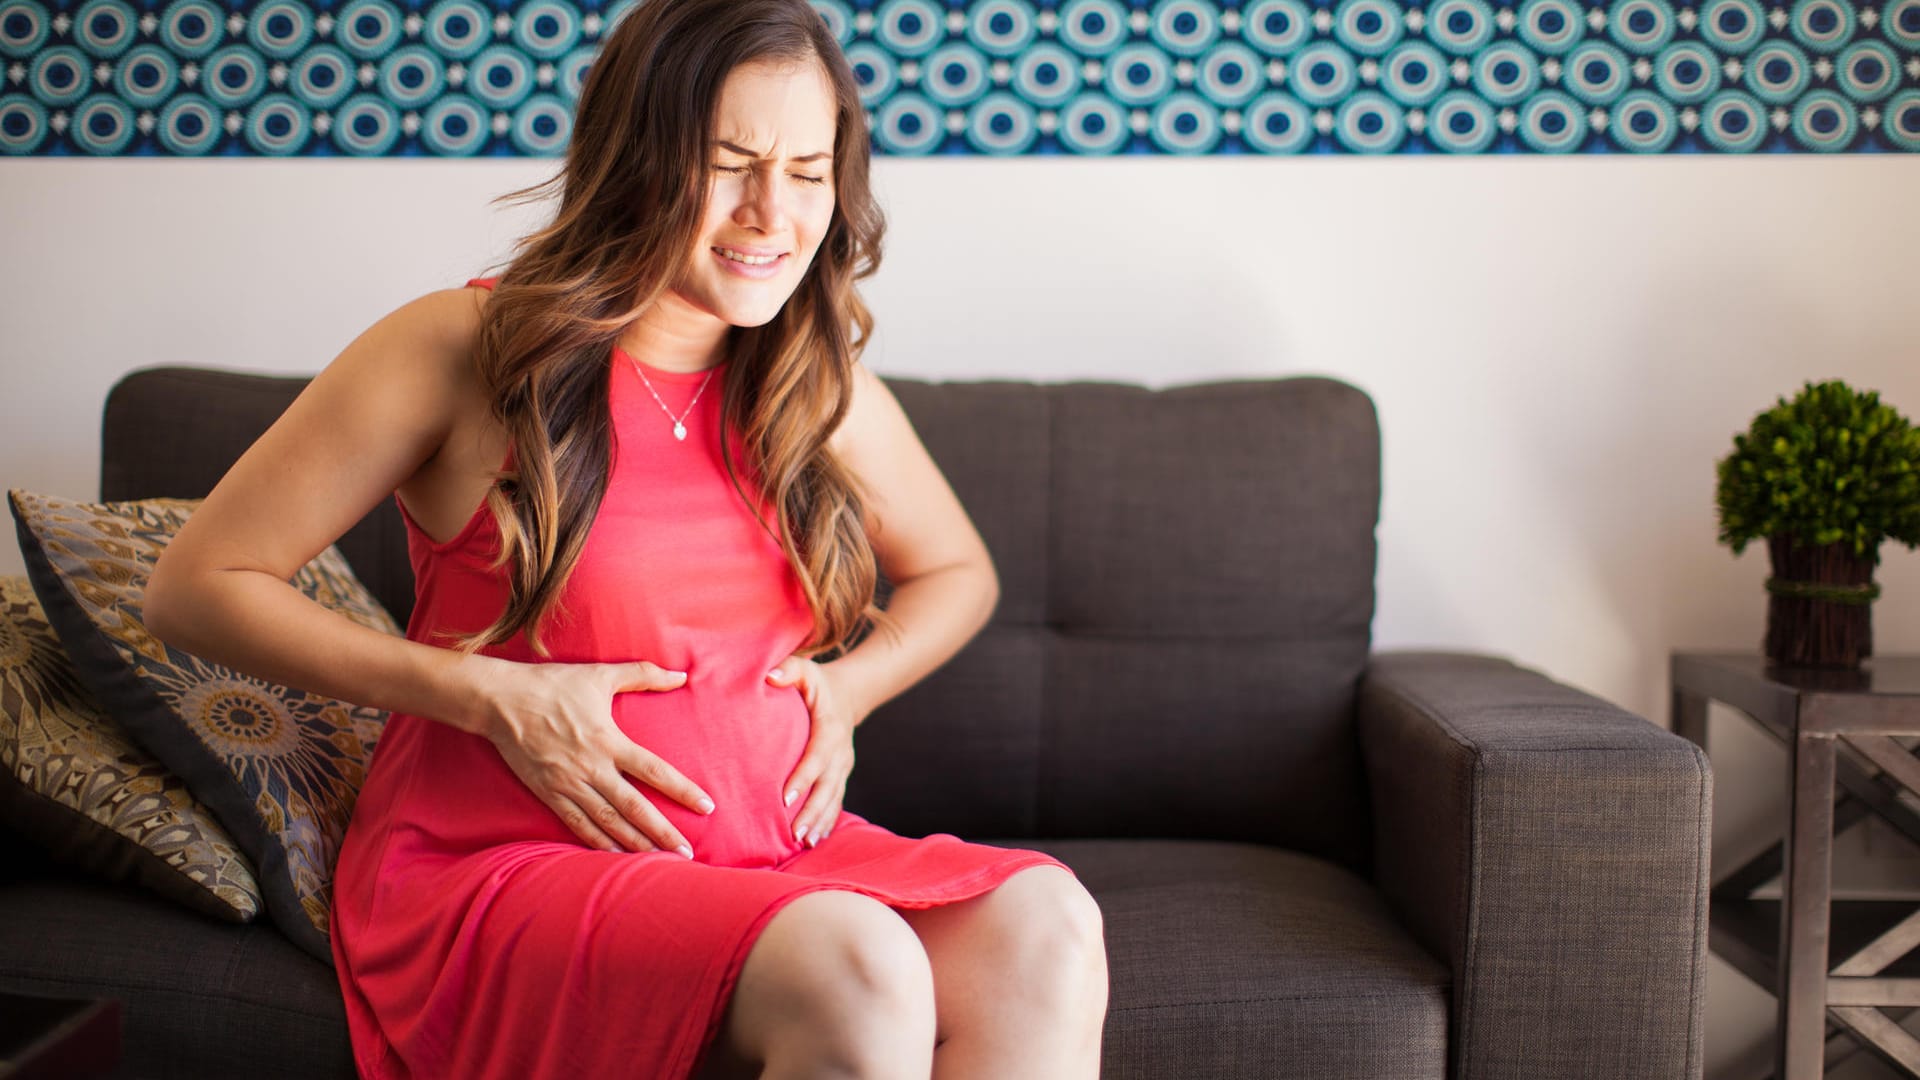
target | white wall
[{"x": 1560, "y": 349}]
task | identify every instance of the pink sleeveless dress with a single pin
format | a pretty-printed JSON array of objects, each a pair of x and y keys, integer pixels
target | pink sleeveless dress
[{"x": 473, "y": 934}]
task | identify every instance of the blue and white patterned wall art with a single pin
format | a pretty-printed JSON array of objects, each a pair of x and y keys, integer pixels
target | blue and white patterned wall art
[{"x": 449, "y": 78}]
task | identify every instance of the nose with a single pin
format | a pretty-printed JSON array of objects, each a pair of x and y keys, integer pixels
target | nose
[{"x": 763, "y": 205}]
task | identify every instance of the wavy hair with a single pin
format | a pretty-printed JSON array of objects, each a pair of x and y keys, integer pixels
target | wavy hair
[{"x": 633, "y": 192}]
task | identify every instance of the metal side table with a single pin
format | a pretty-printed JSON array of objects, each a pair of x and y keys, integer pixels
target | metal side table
[{"x": 1845, "y": 761}]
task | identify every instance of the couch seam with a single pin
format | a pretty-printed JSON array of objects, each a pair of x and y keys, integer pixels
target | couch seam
[
  {"x": 1290, "y": 997},
  {"x": 172, "y": 991},
  {"x": 1701, "y": 862},
  {"x": 1469, "y": 949},
  {"x": 1407, "y": 694},
  {"x": 1470, "y": 888},
  {"x": 1050, "y": 635},
  {"x": 1564, "y": 749},
  {"x": 1149, "y": 637},
  {"x": 1397, "y": 687}
]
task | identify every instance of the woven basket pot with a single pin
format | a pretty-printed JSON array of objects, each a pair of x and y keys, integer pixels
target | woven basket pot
[{"x": 1819, "y": 605}]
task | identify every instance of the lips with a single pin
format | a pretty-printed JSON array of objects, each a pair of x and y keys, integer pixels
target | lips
[
  {"x": 751, "y": 256},
  {"x": 761, "y": 269}
]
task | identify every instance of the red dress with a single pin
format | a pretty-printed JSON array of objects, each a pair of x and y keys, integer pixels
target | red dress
[{"x": 473, "y": 934}]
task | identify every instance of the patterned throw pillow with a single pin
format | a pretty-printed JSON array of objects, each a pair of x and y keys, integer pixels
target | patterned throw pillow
[
  {"x": 73, "y": 782},
  {"x": 279, "y": 766}
]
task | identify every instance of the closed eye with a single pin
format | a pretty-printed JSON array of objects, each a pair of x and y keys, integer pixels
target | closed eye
[{"x": 734, "y": 170}]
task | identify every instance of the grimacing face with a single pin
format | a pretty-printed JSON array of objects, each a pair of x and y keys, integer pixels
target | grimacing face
[{"x": 770, "y": 192}]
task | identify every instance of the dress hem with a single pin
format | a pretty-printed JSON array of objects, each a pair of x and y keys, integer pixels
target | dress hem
[{"x": 974, "y": 887}]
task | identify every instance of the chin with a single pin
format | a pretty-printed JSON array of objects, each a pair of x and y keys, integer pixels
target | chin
[
  {"x": 756, "y": 314},
  {"x": 746, "y": 319}
]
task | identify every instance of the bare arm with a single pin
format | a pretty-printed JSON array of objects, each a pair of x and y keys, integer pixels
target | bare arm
[
  {"x": 945, "y": 587},
  {"x": 362, "y": 427}
]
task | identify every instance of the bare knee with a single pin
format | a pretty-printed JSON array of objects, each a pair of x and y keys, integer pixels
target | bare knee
[
  {"x": 1058, "y": 937},
  {"x": 836, "y": 984}
]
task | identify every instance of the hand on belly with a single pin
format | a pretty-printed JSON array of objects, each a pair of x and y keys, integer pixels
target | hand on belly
[
  {"x": 740, "y": 744},
  {"x": 818, "y": 784}
]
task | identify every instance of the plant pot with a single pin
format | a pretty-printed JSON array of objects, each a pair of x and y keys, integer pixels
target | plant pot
[{"x": 1819, "y": 605}]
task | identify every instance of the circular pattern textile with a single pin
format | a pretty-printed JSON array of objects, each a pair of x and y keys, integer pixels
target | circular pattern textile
[{"x": 460, "y": 78}]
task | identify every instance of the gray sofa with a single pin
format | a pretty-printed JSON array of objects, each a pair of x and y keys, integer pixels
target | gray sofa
[{"x": 1314, "y": 860}]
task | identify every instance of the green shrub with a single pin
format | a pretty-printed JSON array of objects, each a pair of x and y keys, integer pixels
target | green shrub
[{"x": 1831, "y": 465}]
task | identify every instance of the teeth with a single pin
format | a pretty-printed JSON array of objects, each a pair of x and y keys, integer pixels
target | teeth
[{"x": 750, "y": 260}]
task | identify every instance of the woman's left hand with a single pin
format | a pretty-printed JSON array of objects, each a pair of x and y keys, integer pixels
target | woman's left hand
[{"x": 823, "y": 770}]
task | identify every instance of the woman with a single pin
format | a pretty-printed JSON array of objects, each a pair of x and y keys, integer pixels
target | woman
[{"x": 602, "y": 834}]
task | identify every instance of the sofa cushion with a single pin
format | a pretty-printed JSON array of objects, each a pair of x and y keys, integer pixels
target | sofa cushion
[
  {"x": 1224, "y": 960},
  {"x": 1232, "y": 960},
  {"x": 74, "y": 783},
  {"x": 1185, "y": 613},
  {"x": 200, "y": 998},
  {"x": 280, "y": 766}
]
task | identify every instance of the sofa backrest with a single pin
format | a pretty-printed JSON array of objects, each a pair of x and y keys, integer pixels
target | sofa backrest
[{"x": 1186, "y": 600}]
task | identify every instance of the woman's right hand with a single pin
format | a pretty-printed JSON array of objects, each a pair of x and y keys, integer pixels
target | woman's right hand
[{"x": 553, "y": 723}]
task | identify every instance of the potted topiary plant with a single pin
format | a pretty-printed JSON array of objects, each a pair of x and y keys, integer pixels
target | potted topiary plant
[{"x": 1823, "y": 478}]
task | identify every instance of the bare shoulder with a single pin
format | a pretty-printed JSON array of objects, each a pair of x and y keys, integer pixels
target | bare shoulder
[
  {"x": 419, "y": 357},
  {"x": 468, "y": 443},
  {"x": 448, "y": 321},
  {"x": 916, "y": 522},
  {"x": 873, "y": 419}
]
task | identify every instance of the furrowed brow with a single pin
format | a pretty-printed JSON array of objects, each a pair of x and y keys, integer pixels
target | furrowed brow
[{"x": 743, "y": 151}]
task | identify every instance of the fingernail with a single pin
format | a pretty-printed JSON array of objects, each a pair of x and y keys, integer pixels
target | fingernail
[
  {"x": 800, "y": 835},
  {"x": 773, "y": 674},
  {"x": 685, "y": 850},
  {"x": 706, "y": 805},
  {"x": 790, "y": 796},
  {"x": 813, "y": 839}
]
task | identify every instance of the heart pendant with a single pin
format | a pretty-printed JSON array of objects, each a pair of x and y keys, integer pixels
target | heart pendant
[{"x": 680, "y": 431}]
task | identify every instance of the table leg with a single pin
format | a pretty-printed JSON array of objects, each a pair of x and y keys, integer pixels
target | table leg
[{"x": 1806, "y": 893}]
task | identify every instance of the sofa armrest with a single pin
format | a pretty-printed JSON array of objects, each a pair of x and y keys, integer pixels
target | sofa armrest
[{"x": 1552, "y": 849}]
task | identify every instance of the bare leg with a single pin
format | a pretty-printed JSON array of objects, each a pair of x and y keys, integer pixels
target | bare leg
[
  {"x": 1020, "y": 979},
  {"x": 836, "y": 985}
]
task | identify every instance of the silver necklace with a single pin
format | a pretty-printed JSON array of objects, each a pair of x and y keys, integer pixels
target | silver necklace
[{"x": 679, "y": 422}]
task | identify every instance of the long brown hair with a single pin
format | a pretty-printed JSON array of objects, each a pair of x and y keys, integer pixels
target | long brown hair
[{"x": 633, "y": 191}]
